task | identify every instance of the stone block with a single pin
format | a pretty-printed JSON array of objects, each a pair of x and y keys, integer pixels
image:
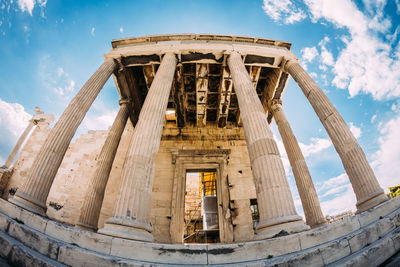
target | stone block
[
  {"x": 3, "y": 223},
  {"x": 34, "y": 240},
  {"x": 396, "y": 239},
  {"x": 328, "y": 232},
  {"x": 373, "y": 255},
  {"x": 384, "y": 226},
  {"x": 395, "y": 217},
  {"x": 309, "y": 258},
  {"x": 362, "y": 238},
  {"x": 81, "y": 238},
  {"x": 74, "y": 256},
  {"x": 34, "y": 221},
  {"x": 10, "y": 209},
  {"x": 255, "y": 250},
  {"x": 163, "y": 253},
  {"x": 23, "y": 256},
  {"x": 379, "y": 211},
  {"x": 6, "y": 244},
  {"x": 335, "y": 250}
]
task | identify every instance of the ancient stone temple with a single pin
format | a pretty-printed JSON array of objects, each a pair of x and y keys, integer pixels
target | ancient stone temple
[{"x": 189, "y": 172}]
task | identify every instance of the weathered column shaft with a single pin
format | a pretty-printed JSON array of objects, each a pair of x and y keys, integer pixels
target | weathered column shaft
[
  {"x": 305, "y": 186},
  {"x": 365, "y": 185},
  {"x": 91, "y": 207},
  {"x": 131, "y": 214},
  {"x": 275, "y": 202},
  {"x": 19, "y": 143},
  {"x": 34, "y": 192}
]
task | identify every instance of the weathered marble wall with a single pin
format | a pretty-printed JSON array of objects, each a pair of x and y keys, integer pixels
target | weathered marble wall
[{"x": 69, "y": 187}]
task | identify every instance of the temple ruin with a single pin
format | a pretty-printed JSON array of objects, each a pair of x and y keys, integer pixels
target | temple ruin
[{"x": 189, "y": 171}]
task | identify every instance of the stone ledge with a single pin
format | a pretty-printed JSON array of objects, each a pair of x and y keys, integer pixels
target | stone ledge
[{"x": 330, "y": 242}]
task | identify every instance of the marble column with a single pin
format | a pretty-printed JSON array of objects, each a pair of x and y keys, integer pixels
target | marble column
[
  {"x": 91, "y": 207},
  {"x": 131, "y": 214},
  {"x": 305, "y": 186},
  {"x": 33, "y": 194},
  {"x": 19, "y": 143},
  {"x": 275, "y": 202},
  {"x": 365, "y": 185}
]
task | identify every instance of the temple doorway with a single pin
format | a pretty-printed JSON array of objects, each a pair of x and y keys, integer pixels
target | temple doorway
[{"x": 201, "y": 207}]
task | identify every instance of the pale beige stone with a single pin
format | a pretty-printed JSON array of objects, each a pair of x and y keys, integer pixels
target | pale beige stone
[
  {"x": 305, "y": 186},
  {"x": 90, "y": 210},
  {"x": 131, "y": 214},
  {"x": 33, "y": 194},
  {"x": 275, "y": 201}
]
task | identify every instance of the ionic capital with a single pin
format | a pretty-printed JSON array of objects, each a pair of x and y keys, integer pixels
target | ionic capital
[
  {"x": 124, "y": 101},
  {"x": 287, "y": 62},
  {"x": 275, "y": 105}
]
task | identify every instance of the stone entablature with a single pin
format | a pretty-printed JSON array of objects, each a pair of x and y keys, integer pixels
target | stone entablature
[{"x": 193, "y": 102}]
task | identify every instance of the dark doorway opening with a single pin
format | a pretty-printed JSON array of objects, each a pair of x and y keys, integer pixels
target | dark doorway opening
[{"x": 201, "y": 207}]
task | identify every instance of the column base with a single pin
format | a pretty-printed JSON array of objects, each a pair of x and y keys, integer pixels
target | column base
[
  {"x": 319, "y": 223},
  {"x": 28, "y": 205},
  {"x": 86, "y": 227},
  {"x": 127, "y": 232},
  {"x": 371, "y": 201},
  {"x": 127, "y": 228},
  {"x": 272, "y": 227}
]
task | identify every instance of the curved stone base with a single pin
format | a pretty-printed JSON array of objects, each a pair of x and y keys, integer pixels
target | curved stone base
[
  {"x": 366, "y": 239},
  {"x": 127, "y": 232},
  {"x": 28, "y": 205},
  {"x": 371, "y": 202},
  {"x": 275, "y": 230},
  {"x": 272, "y": 227}
]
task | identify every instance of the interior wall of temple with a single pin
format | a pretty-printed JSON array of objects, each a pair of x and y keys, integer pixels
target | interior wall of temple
[
  {"x": 72, "y": 179},
  {"x": 27, "y": 155}
]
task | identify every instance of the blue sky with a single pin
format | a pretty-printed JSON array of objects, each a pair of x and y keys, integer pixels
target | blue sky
[{"x": 48, "y": 49}]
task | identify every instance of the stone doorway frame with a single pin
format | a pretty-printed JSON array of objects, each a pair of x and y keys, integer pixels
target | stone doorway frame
[{"x": 184, "y": 160}]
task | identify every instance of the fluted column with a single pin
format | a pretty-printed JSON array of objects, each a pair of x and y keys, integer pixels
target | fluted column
[
  {"x": 33, "y": 194},
  {"x": 19, "y": 143},
  {"x": 305, "y": 186},
  {"x": 91, "y": 207},
  {"x": 275, "y": 202},
  {"x": 131, "y": 214},
  {"x": 365, "y": 185}
]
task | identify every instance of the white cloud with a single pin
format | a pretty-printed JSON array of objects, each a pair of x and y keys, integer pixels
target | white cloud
[
  {"x": 333, "y": 182},
  {"x": 341, "y": 202},
  {"x": 326, "y": 57},
  {"x": 55, "y": 78},
  {"x": 92, "y": 31},
  {"x": 386, "y": 160},
  {"x": 13, "y": 121},
  {"x": 316, "y": 145},
  {"x": 368, "y": 63},
  {"x": 356, "y": 131},
  {"x": 121, "y": 30},
  {"x": 398, "y": 6},
  {"x": 100, "y": 120},
  {"x": 373, "y": 118},
  {"x": 99, "y": 117},
  {"x": 28, "y": 5},
  {"x": 337, "y": 195},
  {"x": 283, "y": 9},
  {"x": 309, "y": 53}
]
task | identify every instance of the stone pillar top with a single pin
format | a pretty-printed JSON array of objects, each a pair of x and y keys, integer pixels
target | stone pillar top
[
  {"x": 124, "y": 101},
  {"x": 275, "y": 104},
  {"x": 286, "y": 62}
]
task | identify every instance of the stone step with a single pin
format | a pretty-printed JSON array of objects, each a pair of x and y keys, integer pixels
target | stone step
[
  {"x": 336, "y": 243},
  {"x": 18, "y": 254}
]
